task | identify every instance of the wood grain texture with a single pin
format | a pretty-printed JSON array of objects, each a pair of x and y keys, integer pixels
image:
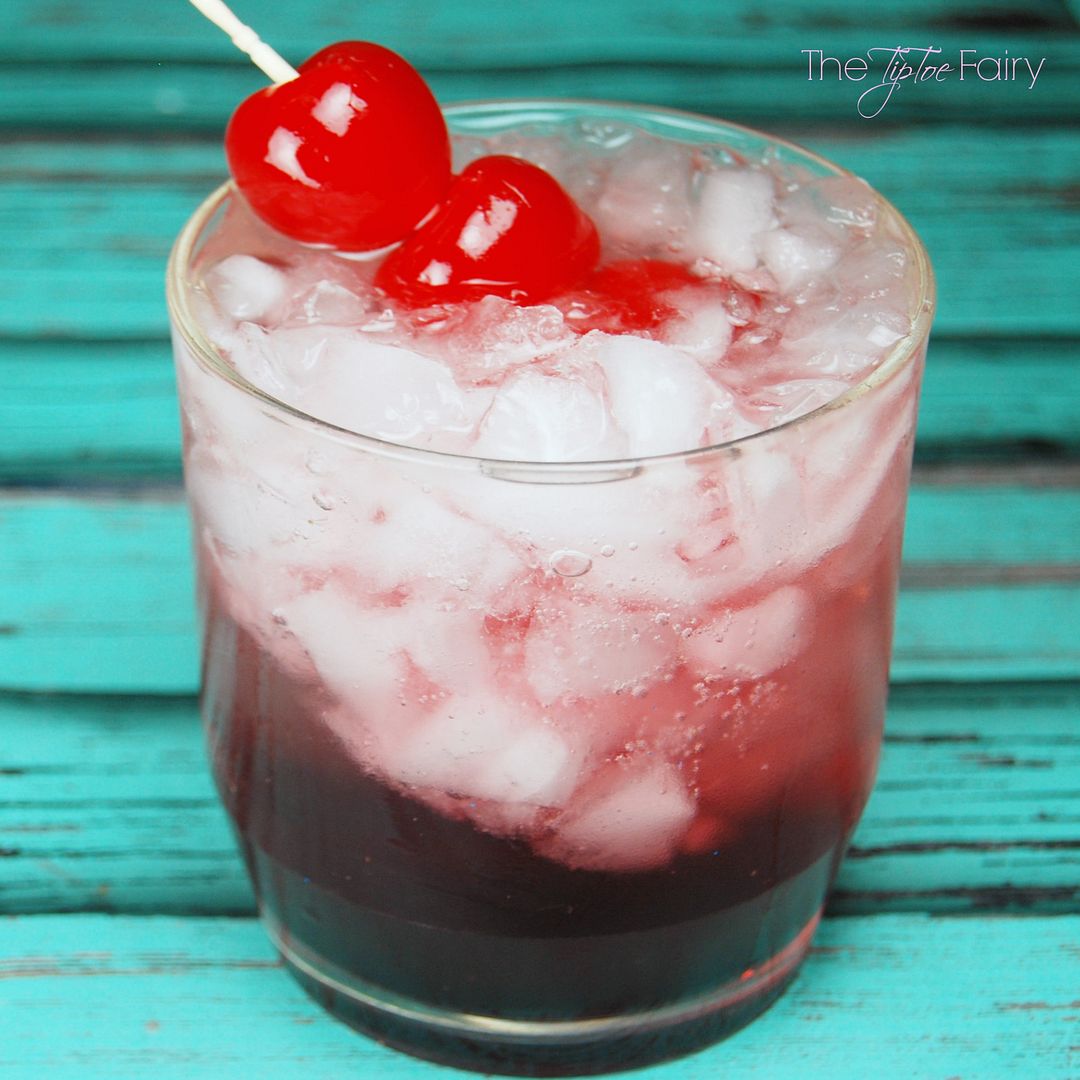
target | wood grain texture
[
  {"x": 96, "y": 592},
  {"x": 110, "y": 122},
  {"x": 92, "y": 412},
  {"x": 82, "y": 253},
  {"x": 771, "y": 90},
  {"x": 90, "y": 588},
  {"x": 490, "y": 33},
  {"x": 162, "y": 67},
  {"x": 886, "y": 995},
  {"x": 106, "y": 805}
]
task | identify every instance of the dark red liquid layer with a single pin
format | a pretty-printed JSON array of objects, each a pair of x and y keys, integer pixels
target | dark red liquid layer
[{"x": 431, "y": 909}]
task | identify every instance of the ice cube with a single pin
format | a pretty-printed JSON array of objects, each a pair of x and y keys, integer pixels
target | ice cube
[
  {"x": 535, "y": 766},
  {"x": 844, "y": 340},
  {"x": 242, "y": 473},
  {"x": 754, "y": 641},
  {"x": 479, "y": 746},
  {"x": 784, "y": 401},
  {"x": 548, "y": 417},
  {"x": 356, "y": 650},
  {"x": 344, "y": 378},
  {"x": 251, "y": 351},
  {"x": 220, "y": 327},
  {"x": 863, "y": 442},
  {"x": 629, "y": 527},
  {"x": 795, "y": 256},
  {"x": 843, "y": 208},
  {"x": 850, "y": 201},
  {"x": 635, "y": 822},
  {"x": 245, "y": 512},
  {"x": 414, "y": 538},
  {"x": 734, "y": 207},
  {"x": 247, "y": 288},
  {"x": 583, "y": 648},
  {"x": 702, "y": 330},
  {"x": 390, "y": 392},
  {"x": 645, "y": 199},
  {"x": 728, "y": 420},
  {"x": 752, "y": 524},
  {"x": 494, "y": 335},
  {"x": 660, "y": 397},
  {"x": 446, "y": 642},
  {"x": 330, "y": 303}
]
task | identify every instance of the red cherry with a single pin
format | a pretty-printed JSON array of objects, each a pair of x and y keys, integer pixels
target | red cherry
[
  {"x": 353, "y": 153},
  {"x": 507, "y": 229}
]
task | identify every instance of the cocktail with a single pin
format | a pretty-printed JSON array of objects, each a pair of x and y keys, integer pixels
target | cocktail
[{"x": 547, "y": 618}]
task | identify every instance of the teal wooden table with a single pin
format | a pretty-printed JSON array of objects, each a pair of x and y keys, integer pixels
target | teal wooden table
[{"x": 128, "y": 943}]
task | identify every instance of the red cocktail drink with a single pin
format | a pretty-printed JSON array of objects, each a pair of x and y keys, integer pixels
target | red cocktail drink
[{"x": 546, "y": 644}]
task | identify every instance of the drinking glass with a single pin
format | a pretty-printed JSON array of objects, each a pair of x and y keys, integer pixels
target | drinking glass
[{"x": 545, "y": 768}]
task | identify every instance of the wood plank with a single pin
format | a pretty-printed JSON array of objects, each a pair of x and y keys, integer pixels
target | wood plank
[
  {"x": 773, "y": 92},
  {"x": 489, "y": 32},
  {"x": 87, "y": 594},
  {"x": 996, "y": 526},
  {"x": 86, "y": 412},
  {"x": 106, "y": 805},
  {"x": 95, "y": 593},
  {"x": 880, "y": 995},
  {"x": 151, "y": 66},
  {"x": 989, "y": 632},
  {"x": 977, "y": 803},
  {"x": 75, "y": 412},
  {"x": 93, "y": 224}
]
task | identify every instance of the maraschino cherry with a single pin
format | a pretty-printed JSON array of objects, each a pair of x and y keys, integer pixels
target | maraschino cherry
[
  {"x": 354, "y": 152},
  {"x": 351, "y": 150},
  {"x": 507, "y": 228}
]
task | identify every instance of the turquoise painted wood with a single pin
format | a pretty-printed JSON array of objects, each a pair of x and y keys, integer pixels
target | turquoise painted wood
[
  {"x": 82, "y": 255},
  {"x": 885, "y": 995},
  {"x": 110, "y": 120},
  {"x": 769, "y": 90},
  {"x": 106, "y": 805},
  {"x": 741, "y": 59},
  {"x": 96, "y": 593},
  {"x": 488, "y": 33},
  {"x": 95, "y": 411}
]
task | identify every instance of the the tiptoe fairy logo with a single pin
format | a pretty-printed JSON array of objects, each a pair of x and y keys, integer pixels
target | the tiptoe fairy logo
[{"x": 880, "y": 72}]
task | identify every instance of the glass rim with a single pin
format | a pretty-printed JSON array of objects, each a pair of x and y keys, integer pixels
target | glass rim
[{"x": 904, "y": 352}]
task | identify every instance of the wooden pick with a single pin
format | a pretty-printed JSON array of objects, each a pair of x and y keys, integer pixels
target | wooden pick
[{"x": 276, "y": 67}]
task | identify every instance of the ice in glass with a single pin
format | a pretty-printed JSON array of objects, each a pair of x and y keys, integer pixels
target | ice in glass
[{"x": 546, "y": 643}]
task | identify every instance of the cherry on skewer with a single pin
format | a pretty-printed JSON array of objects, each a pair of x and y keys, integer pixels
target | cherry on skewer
[{"x": 351, "y": 150}]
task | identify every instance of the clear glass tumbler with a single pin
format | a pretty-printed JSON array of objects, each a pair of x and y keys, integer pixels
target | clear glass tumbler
[{"x": 545, "y": 768}]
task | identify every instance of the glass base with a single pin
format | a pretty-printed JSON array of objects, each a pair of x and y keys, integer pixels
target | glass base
[{"x": 544, "y": 1048}]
